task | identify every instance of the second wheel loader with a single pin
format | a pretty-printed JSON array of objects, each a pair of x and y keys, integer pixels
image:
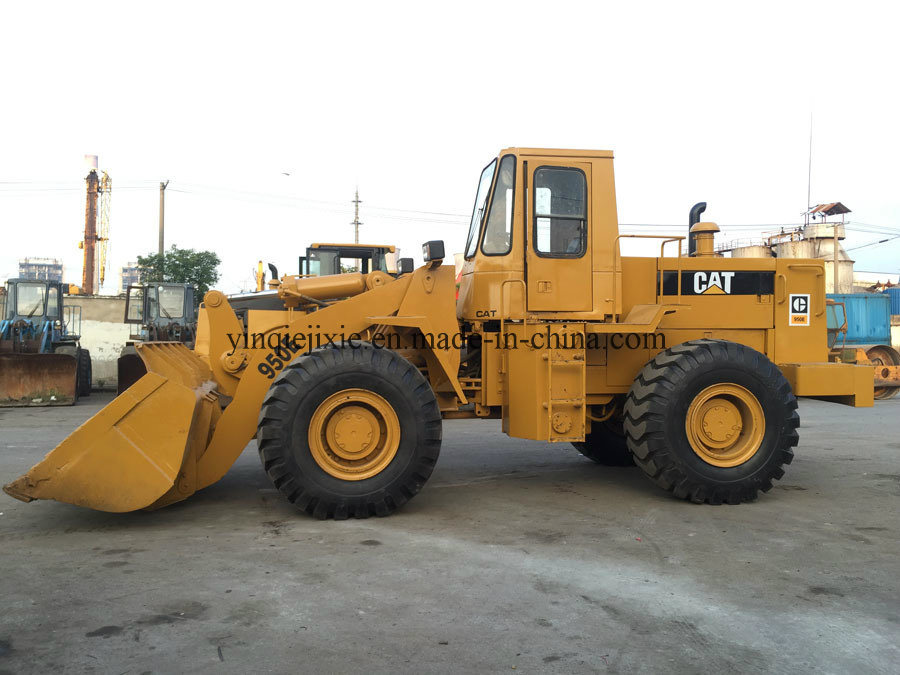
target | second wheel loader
[
  {"x": 41, "y": 358},
  {"x": 688, "y": 365},
  {"x": 160, "y": 312}
]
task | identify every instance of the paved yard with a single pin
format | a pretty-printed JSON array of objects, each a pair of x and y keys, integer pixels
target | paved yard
[{"x": 516, "y": 555}]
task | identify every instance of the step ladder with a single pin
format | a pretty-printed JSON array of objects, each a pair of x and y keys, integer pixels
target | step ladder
[{"x": 566, "y": 393}]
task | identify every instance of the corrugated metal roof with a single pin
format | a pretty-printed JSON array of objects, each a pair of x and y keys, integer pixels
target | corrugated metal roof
[{"x": 832, "y": 209}]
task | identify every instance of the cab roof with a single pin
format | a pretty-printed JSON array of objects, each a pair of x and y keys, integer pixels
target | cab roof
[
  {"x": 557, "y": 152},
  {"x": 384, "y": 246}
]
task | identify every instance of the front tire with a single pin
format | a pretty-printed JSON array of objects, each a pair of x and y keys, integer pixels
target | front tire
[
  {"x": 85, "y": 372},
  {"x": 712, "y": 421},
  {"x": 349, "y": 432}
]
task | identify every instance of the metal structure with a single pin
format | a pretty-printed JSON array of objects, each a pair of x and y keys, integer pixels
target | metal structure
[
  {"x": 103, "y": 228},
  {"x": 687, "y": 366},
  {"x": 41, "y": 360},
  {"x": 89, "y": 242},
  {"x": 859, "y": 326},
  {"x": 818, "y": 237},
  {"x": 95, "y": 242}
]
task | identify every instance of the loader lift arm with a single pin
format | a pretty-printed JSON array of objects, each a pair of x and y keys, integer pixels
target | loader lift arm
[{"x": 182, "y": 426}]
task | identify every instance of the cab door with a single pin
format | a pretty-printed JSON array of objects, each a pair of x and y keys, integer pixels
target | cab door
[{"x": 557, "y": 224}]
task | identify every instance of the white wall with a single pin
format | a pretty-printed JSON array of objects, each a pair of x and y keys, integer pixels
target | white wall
[{"x": 104, "y": 333}]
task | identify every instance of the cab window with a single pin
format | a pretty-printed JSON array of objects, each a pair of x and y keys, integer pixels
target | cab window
[
  {"x": 30, "y": 299},
  {"x": 134, "y": 305},
  {"x": 484, "y": 187},
  {"x": 560, "y": 212},
  {"x": 171, "y": 301},
  {"x": 498, "y": 230},
  {"x": 53, "y": 302},
  {"x": 323, "y": 263},
  {"x": 152, "y": 303}
]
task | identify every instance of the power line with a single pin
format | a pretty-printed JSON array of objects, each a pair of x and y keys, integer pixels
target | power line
[
  {"x": 71, "y": 189},
  {"x": 392, "y": 213},
  {"x": 325, "y": 208},
  {"x": 195, "y": 187},
  {"x": 873, "y": 243}
]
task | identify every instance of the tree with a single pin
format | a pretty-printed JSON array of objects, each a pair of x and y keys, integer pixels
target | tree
[{"x": 182, "y": 266}]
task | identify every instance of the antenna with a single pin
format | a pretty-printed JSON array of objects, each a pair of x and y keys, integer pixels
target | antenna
[{"x": 809, "y": 170}]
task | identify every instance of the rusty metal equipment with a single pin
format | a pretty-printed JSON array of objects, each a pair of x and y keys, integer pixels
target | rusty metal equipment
[
  {"x": 857, "y": 347},
  {"x": 686, "y": 365},
  {"x": 41, "y": 359}
]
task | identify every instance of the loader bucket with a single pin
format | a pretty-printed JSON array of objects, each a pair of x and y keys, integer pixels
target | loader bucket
[
  {"x": 37, "y": 379},
  {"x": 131, "y": 453},
  {"x": 130, "y": 369}
]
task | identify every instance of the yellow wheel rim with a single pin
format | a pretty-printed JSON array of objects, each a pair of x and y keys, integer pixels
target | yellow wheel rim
[
  {"x": 725, "y": 425},
  {"x": 354, "y": 434}
]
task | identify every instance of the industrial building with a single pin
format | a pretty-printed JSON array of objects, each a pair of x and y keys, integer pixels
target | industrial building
[
  {"x": 41, "y": 269},
  {"x": 129, "y": 274},
  {"x": 818, "y": 238}
]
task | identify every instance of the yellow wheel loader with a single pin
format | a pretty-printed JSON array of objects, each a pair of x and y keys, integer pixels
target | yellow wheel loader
[{"x": 687, "y": 363}]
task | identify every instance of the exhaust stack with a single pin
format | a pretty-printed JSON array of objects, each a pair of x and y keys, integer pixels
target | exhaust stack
[{"x": 693, "y": 219}]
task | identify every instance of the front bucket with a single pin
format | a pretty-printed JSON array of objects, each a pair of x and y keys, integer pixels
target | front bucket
[
  {"x": 37, "y": 379},
  {"x": 131, "y": 453},
  {"x": 130, "y": 368}
]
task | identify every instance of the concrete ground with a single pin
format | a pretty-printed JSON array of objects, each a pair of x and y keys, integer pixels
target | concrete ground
[{"x": 516, "y": 556}]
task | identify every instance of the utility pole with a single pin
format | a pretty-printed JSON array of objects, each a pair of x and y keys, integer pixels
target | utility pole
[
  {"x": 90, "y": 232},
  {"x": 162, "y": 226},
  {"x": 356, "y": 223},
  {"x": 837, "y": 247}
]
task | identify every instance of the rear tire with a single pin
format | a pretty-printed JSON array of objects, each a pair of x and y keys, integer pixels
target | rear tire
[
  {"x": 606, "y": 444},
  {"x": 349, "y": 432},
  {"x": 712, "y": 421}
]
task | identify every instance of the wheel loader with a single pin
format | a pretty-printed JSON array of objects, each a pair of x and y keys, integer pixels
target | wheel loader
[
  {"x": 687, "y": 364},
  {"x": 41, "y": 358},
  {"x": 160, "y": 312}
]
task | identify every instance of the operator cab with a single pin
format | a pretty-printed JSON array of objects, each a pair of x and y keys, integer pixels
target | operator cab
[
  {"x": 33, "y": 311},
  {"x": 541, "y": 238},
  {"x": 159, "y": 306},
  {"x": 34, "y": 301},
  {"x": 327, "y": 259}
]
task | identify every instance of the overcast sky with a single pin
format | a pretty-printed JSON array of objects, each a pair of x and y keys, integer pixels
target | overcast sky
[{"x": 699, "y": 101}]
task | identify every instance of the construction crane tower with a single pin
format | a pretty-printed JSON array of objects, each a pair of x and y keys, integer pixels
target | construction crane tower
[
  {"x": 96, "y": 228},
  {"x": 103, "y": 229}
]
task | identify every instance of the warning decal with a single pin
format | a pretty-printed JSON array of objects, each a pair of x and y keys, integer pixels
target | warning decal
[{"x": 799, "y": 309}]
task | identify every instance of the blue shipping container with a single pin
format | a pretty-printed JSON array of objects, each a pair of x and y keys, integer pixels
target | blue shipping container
[
  {"x": 868, "y": 317},
  {"x": 894, "y": 295}
]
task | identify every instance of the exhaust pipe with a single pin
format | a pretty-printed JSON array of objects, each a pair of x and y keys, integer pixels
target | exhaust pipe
[{"x": 693, "y": 219}]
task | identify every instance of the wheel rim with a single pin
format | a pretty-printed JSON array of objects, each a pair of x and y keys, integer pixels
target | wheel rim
[
  {"x": 354, "y": 434},
  {"x": 880, "y": 357},
  {"x": 725, "y": 425}
]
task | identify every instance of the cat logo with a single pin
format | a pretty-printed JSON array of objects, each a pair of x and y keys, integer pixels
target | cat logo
[
  {"x": 799, "y": 309},
  {"x": 712, "y": 283}
]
